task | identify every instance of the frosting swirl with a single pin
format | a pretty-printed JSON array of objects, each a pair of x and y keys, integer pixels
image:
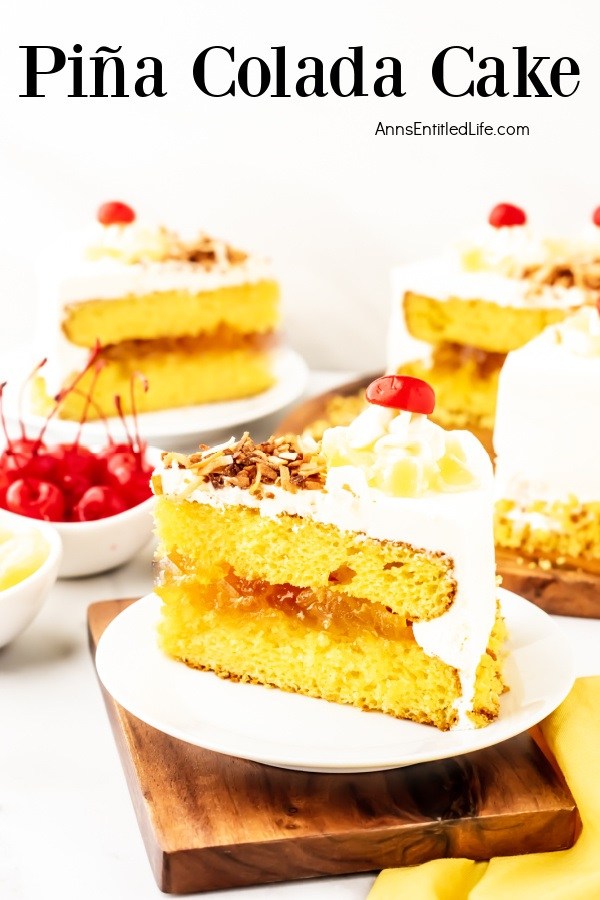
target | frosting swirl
[{"x": 402, "y": 454}]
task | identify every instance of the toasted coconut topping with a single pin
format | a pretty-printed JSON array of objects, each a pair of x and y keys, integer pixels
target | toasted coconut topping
[
  {"x": 209, "y": 251},
  {"x": 135, "y": 243},
  {"x": 284, "y": 462},
  {"x": 575, "y": 272}
]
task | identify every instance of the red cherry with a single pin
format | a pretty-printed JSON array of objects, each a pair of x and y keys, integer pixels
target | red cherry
[
  {"x": 596, "y": 216},
  {"x": 402, "y": 392},
  {"x": 74, "y": 487},
  {"x": 36, "y": 499},
  {"x": 75, "y": 459},
  {"x": 138, "y": 489},
  {"x": 98, "y": 502},
  {"x": 505, "y": 215},
  {"x": 121, "y": 468},
  {"x": 115, "y": 213}
]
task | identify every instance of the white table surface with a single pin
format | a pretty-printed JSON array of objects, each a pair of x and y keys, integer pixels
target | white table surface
[{"x": 67, "y": 826}]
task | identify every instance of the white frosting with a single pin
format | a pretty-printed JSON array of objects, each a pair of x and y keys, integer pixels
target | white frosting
[
  {"x": 109, "y": 279},
  {"x": 443, "y": 278},
  {"x": 456, "y": 524},
  {"x": 493, "y": 248},
  {"x": 547, "y": 431},
  {"x": 79, "y": 277}
]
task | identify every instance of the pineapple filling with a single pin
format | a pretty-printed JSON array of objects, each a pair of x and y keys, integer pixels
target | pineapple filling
[
  {"x": 320, "y": 609},
  {"x": 223, "y": 339},
  {"x": 20, "y": 556}
]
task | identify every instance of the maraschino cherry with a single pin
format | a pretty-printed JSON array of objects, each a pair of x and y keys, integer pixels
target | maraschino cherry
[
  {"x": 402, "y": 392},
  {"x": 115, "y": 213},
  {"x": 36, "y": 499},
  {"x": 596, "y": 217},
  {"x": 505, "y": 215},
  {"x": 70, "y": 482}
]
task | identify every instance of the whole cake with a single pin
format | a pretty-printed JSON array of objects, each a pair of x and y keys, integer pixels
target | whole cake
[
  {"x": 359, "y": 569},
  {"x": 456, "y": 317},
  {"x": 547, "y": 441},
  {"x": 182, "y": 312}
]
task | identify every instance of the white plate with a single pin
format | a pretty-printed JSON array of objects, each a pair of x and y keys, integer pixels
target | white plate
[
  {"x": 295, "y": 732},
  {"x": 291, "y": 373}
]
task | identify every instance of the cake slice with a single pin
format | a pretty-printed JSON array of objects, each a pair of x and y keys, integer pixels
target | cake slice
[
  {"x": 454, "y": 318},
  {"x": 547, "y": 441},
  {"x": 183, "y": 312},
  {"x": 359, "y": 570}
]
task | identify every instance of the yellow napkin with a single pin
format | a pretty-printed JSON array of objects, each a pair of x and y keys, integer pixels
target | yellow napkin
[{"x": 573, "y": 735}]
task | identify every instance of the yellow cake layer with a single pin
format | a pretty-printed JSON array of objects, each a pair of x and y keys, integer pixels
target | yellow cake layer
[
  {"x": 465, "y": 382},
  {"x": 246, "y": 308},
  {"x": 202, "y": 540},
  {"x": 210, "y": 627},
  {"x": 476, "y": 323},
  {"x": 176, "y": 377},
  {"x": 564, "y": 534}
]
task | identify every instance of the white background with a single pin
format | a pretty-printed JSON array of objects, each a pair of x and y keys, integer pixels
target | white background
[{"x": 305, "y": 181}]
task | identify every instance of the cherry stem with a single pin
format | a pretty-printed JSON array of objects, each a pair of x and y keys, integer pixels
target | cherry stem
[
  {"x": 88, "y": 400},
  {"x": 62, "y": 394},
  {"x": 144, "y": 382},
  {"x": 121, "y": 415},
  {"x": 21, "y": 399}
]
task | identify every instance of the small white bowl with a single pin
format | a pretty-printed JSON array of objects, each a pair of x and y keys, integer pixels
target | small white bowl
[
  {"x": 20, "y": 604},
  {"x": 93, "y": 547}
]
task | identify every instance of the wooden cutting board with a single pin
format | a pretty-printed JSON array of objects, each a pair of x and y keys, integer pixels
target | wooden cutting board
[
  {"x": 210, "y": 821},
  {"x": 561, "y": 592}
]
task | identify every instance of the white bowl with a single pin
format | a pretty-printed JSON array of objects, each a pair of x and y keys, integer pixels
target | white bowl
[
  {"x": 20, "y": 604},
  {"x": 93, "y": 547}
]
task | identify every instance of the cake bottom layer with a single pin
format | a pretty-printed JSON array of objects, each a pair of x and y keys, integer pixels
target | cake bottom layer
[
  {"x": 322, "y": 645},
  {"x": 465, "y": 381},
  {"x": 476, "y": 323},
  {"x": 564, "y": 534},
  {"x": 179, "y": 372}
]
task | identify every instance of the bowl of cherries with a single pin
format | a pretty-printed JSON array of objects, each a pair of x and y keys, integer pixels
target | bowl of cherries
[{"x": 97, "y": 498}]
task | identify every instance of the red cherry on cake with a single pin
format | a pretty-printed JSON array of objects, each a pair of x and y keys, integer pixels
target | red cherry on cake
[
  {"x": 115, "y": 213},
  {"x": 402, "y": 392},
  {"x": 36, "y": 499},
  {"x": 505, "y": 215},
  {"x": 596, "y": 217}
]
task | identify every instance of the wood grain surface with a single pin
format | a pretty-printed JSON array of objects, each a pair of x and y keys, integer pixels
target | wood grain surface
[
  {"x": 561, "y": 592},
  {"x": 210, "y": 821}
]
